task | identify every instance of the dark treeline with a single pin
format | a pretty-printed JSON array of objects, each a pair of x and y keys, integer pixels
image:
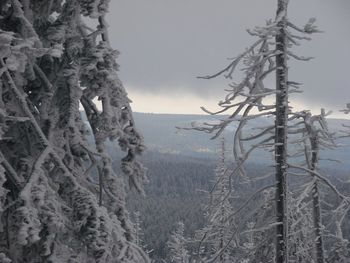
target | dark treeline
[{"x": 178, "y": 190}]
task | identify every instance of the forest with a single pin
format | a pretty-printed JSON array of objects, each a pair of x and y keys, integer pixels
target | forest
[{"x": 261, "y": 178}]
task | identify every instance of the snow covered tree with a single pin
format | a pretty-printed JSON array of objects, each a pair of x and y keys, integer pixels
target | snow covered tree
[
  {"x": 250, "y": 99},
  {"x": 339, "y": 250},
  {"x": 280, "y": 138},
  {"x": 339, "y": 246},
  {"x": 314, "y": 136},
  {"x": 177, "y": 245},
  {"x": 138, "y": 229},
  {"x": 60, "y": 199},
  {"x": 138, "y": 232},
  {"x": 217, "y": 238},
  {"x": 312, "y": 157},
  {"x": 301, "y": 238}
]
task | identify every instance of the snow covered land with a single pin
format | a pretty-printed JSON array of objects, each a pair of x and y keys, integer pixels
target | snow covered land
[{"x": 263, "y": 175}]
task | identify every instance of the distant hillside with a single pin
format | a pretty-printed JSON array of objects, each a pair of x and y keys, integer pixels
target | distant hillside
[{"x": 162, "y": 136}]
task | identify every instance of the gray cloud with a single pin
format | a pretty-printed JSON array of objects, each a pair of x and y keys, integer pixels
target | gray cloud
[{"x": 165, "y": 44}]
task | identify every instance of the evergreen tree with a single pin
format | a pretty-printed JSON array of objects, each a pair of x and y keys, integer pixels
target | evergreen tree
[
  {"x": 177, "y": 245},
  {"x": 60, "y": 199},
  {"x": 301, "y": 238},
  {"x": 138, "y": 232},
  {"x": 217, "y": 238}
]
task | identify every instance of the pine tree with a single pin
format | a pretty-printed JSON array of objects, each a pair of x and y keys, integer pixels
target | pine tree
[
  {"x": 60, "y": 199},
  {"x": 177, "y": 245},
  {"x": 218, "y": 237},
  {"x": 300, "y": 238},
  {"x": 138, "y": 232},
  {"x": 258, "y": 234}
]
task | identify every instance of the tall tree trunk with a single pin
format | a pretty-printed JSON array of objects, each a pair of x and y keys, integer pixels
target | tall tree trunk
[
  {"x": 222, "y": 241},
  {"x": 281, "y": 134},
  {"x": 316, "y": 205}
]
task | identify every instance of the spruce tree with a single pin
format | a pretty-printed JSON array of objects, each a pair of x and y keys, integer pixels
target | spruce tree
[
  {"x": 218, "y": 238},
  {"x": 177, "y": 245},
  {"x": 60, "y": 198}
]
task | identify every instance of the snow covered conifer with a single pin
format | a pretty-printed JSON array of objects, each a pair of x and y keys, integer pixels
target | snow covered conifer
[
  {"x": 177, "y": 245},
  {"x": 60, "y": 198},
  {"x": 217, "y": 239},
  {"x": 301, "y": 238},
  {"x": 138, "y": 233}
]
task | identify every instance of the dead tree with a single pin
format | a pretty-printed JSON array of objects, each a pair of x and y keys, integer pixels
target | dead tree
[
  {"x": 314, "y": 136},
  {"x": 250, "y": 99}
]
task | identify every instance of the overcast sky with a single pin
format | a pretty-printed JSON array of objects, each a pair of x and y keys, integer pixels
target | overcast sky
[{"x": 165, "y": 44}]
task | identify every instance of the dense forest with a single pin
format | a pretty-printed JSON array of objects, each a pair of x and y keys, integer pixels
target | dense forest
[
  {"x": 85, "y": 179},
  {"x": 179, "y": 191}
]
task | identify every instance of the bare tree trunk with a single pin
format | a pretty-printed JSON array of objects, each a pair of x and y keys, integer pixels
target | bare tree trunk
[
  {"x": 222, "y": 241},
  {"x": 221, "y": 246},
  {"x": 316, "y": 205},
  {"x": 281, "y": 134},
  {"x": 317, "y": 224}
]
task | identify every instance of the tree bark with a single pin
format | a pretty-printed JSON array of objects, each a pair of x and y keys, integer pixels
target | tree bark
[
  {"x": 281, "y": 134},
  {"x": 316, "y": 205}
]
